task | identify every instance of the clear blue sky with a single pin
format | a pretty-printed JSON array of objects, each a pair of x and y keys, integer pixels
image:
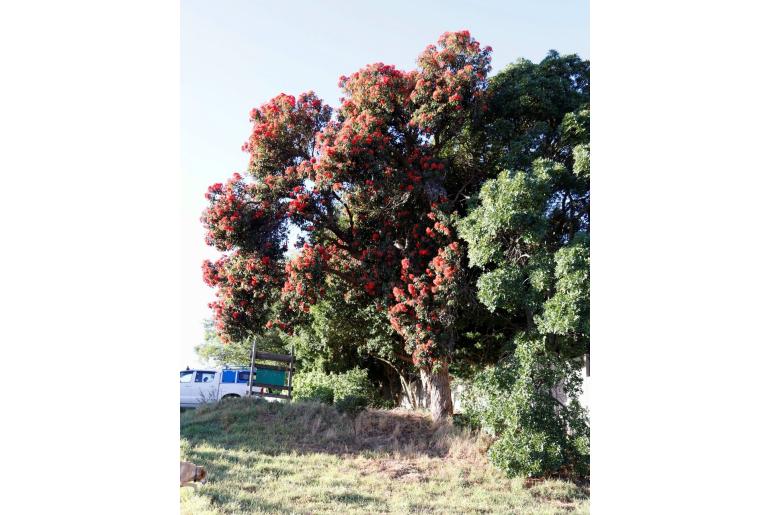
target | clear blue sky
[{"x": 237, "y": 54}]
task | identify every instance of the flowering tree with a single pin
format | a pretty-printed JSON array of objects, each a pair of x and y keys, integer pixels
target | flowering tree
[{"x": 373, "y": 187}]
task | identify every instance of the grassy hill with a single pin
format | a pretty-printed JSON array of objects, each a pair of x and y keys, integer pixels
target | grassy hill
[{"x": 309, "y": 458}]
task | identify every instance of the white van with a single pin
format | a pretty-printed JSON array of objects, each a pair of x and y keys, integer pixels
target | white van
[{"x": 200, "y": 386}]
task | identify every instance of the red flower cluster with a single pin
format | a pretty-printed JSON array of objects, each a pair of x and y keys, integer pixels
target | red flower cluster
[
  {"x": 452, "y": 79},
  {"x": 423, "y": 314},
  {"x": 225, "y": 214},
  {"x": 378, "y": 89},
  {"x": 284, "y": 131},
  {"x": 305, "y": 274},
  {"x": 246, "y": 284}
]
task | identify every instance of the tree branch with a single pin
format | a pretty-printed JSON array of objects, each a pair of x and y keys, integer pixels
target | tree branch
[{"x": 350, "y": 215}]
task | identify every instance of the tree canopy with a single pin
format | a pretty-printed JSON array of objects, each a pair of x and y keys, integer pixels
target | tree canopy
[{"x": 451, "y": 207}]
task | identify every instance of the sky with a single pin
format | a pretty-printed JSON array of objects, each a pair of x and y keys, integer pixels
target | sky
[{"x": 238, "y": 54}]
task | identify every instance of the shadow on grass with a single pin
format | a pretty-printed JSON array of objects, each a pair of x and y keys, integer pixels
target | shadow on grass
[
  {"x": 301, "y": 428},
  {"x": 354, "y": 499},
  {"x": 247, "y": 443},
  {"x": 233, "y": 503}
]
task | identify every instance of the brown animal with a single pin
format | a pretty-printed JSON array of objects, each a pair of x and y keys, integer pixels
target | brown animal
[{"x": 191, "y": 474}]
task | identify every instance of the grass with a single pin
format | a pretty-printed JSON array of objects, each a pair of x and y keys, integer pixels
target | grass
[{"x": 309, "y": 458}]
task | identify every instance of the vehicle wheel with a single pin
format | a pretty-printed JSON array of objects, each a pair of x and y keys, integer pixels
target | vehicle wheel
[{"x": 230, "y": 396}]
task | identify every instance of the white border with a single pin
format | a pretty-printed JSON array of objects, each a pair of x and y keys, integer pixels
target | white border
[
  {"x": 679, "y": 257},
  {"x": 90, "y": 297},
  {"x": 90, "y": 170}
]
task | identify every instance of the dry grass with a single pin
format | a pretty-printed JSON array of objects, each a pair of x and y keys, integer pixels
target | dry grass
[{"x": 308, "y": 458}]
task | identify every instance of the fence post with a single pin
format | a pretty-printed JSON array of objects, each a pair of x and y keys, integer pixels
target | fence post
[
  {"x": 251, "y": 369},
  {"x": 291, "y": 368}
]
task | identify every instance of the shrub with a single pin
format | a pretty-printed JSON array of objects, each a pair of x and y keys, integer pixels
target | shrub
[
  {"x": 352, "y": 404},
  {"x": 349, "y": 391},
  {"x": 313, "y": 385},
  {"x": 535, "y": 435}
]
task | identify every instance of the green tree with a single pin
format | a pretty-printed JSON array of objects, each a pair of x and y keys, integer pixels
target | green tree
[
  {"x": 527, "y": 233},
  {"x": 527, "y": 229},
  {"x": 536, "y": 434},
  {"x": 528, "y": 103},
  {"x": 236, "y": 353}
]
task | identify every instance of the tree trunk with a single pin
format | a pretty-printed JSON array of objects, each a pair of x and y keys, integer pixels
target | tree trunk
[
  {"x": 408, "y": 392},
  {"x": 436, "y": 386}
]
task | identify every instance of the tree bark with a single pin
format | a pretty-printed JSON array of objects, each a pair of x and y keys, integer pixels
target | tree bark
[
  {"x": 409, "y": 392},
  {"x": 436, "y": 386}
]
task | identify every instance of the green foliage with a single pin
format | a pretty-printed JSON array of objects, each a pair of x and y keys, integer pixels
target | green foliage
[
  {"x": 528, "y": 103},
  {"x": 527, "y": 229},
  {"x": 354, "y": 382},
  {"x": 566, "y": 312},
  {"x": 352, "y": 404},
  {"x": 501, "y": 287},
  {"x": 343, "y": 331},
  {"x": 511, "y": 206},
  {"x": 237, "y": 353},
  {"x": 313, "y": 385},
  {"x": 535, "y": 435},
  {"x": 350, "y": 391},
  {"x": 508, "y": 238}
]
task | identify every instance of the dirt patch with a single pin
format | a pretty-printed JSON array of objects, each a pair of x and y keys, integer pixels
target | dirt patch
[
  {"x": 410, "y": 434},
  {"x": 392, "y": 423},
  {"x": 395, "y": 469},
  {"x": 533, "y": 481},
  {"x": 393, "y": 430},
  {"x": 558, "y": 492},
  {"x": 583, "y": 483}
]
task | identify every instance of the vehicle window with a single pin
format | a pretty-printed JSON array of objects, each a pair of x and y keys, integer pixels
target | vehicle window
[
  {"x": 186, "y": 376},
  {"x": 243, "y": 377},
  {"x": 204, "y": 377}
]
